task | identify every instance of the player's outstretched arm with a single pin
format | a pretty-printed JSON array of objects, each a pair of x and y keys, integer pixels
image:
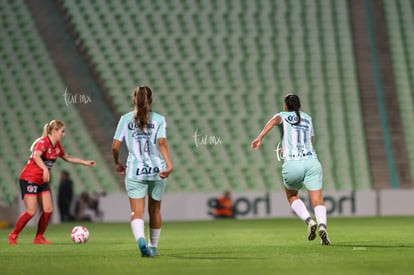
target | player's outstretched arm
[
  {"x": 163, "y": 147},
  {"x": 275, "y": 120},
  {"x": 75, "y": 160}
]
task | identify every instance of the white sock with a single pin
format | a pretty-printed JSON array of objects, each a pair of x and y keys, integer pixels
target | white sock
[
  {"x": 320, "y": 214},
  {"x": 154, "y": 237},
  {"x": 137, "y": 227},
  {"x": 300, "y": 209}
]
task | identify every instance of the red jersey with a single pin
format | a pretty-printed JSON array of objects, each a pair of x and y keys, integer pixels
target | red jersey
[{"x": 33, "y": 173}]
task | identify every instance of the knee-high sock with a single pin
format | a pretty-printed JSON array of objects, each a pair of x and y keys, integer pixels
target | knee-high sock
[
  {"x": 300, "y": 209},
  {"x": 43, "y": 223},
  {"x": 320, "y": 214},
  {"x": 154, "y": 237},
  {"x": 21, "y": 222},
  {"x": 137, "y": 227}
]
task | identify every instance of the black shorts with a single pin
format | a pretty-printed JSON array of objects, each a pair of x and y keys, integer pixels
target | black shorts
[{"x": 32, "y": 189}]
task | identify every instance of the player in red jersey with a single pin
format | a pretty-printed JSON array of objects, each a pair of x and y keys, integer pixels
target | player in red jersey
[{"x": 34, "y": 179}]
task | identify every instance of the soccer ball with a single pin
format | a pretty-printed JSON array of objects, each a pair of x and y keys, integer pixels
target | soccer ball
[{"x": 80, "y": 234}]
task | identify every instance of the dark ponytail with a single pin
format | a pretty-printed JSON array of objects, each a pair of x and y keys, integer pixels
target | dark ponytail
[
  {"x": 142, "y": 97},
  {"x": 293, "y": 105}
]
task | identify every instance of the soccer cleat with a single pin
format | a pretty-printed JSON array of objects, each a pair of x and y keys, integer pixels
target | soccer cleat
[
  {"x": 312, "y": 226},
  {"x": 142, "y": 245},
  {"x": 153, "y": 251},
  {"x": 41, "y": 240},
  {"x": 12, "y": 239},
  {"x": 323, "y": 234}
]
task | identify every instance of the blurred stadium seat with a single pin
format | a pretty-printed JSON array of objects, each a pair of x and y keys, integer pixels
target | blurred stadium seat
[
  {"x": 223, "y": 67},
  {"x": 32, "y": 95},
  {"x": 220, "y": 68},
  {"x": 400, "y": 18}
]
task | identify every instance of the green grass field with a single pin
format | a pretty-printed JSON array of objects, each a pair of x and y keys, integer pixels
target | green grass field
[{"x": 277, "y": 246}]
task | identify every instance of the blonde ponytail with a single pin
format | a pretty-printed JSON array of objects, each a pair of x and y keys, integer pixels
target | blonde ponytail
[{"x": 47, "y": 129}]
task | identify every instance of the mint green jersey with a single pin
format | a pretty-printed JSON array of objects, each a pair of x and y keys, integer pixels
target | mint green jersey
[
  {"x": 296, "y": 139},
  {"x": 144, "y": 159}
]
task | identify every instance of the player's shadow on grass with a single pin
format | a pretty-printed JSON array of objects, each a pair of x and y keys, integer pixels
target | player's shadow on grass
[
  {"x": 213, "y": 257},
  {"x": 360, "y": 246}
]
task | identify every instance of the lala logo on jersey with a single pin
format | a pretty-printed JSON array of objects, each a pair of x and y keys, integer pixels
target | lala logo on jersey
[{"x": 147, "y": 170}]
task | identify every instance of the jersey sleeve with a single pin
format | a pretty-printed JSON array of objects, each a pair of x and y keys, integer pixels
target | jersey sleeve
[
  {"x": 40, "y": 146},
  {"x": 162, "y": 129},
  {"x": 311, "y": 131},
  {"x": 120, "y": 130},
  {"x": 278, "y": 114}
]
